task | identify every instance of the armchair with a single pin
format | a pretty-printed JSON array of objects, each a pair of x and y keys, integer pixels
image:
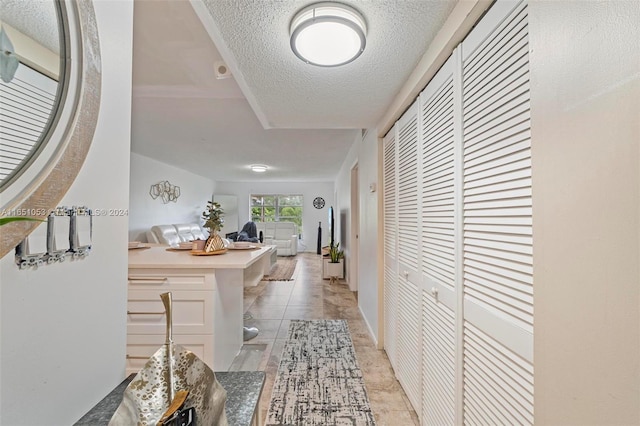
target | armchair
[{"x": 283, "y": 235}]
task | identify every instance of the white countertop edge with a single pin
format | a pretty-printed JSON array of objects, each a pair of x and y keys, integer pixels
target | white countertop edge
[{"x": 160, "y": 258}]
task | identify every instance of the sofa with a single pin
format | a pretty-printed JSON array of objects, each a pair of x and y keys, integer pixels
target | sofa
[
  {"x": 175, "y": 233},
  {"x": 283, "y": 235}
]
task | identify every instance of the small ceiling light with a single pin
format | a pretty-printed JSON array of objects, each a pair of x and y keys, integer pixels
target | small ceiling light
[
  {"x": 328, "y": 34},
  {"x": 259, "y": 168}
]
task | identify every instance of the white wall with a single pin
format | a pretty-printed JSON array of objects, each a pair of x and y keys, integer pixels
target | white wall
[
  {"x": 585, "y": 91},
  {"x": 63, "y": 326},
  {"x": 311, "y": 215},
  {"x": 343, "y": 208},
  {"x": 144, "y": 211},
  {"x": 364, "y": 152}
]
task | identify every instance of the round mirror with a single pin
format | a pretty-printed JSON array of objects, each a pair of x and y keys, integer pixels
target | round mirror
[
  {"x": 40, "y": 179},
  {"x": 30, "y": 68}
]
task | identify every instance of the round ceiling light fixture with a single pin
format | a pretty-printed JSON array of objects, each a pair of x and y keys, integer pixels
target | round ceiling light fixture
[
  {"x": 259, "y": 168},
  {"x": 328, "y": 34}
]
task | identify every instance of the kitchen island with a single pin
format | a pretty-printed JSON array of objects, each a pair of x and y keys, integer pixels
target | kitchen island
[{"x": 207, "y": 294}]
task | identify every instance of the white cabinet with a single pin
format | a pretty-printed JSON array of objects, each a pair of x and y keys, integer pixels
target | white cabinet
[
  {"x": 141, "y": 346},
  {"x": 192, "y": 313},
  {"x": 458, "y": 279},
  {"x": 207, "y": 293}
]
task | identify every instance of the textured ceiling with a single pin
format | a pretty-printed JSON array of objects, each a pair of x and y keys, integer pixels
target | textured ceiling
[
  {"x": 298, "y": 119},
  {"x": 288, "y": 93},
  {"x": 34, "y": 18}
]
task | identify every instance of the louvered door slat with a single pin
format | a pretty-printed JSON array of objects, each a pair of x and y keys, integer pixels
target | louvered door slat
[
  {"x": 438, "y": 338},
  {"x": 510, "y": 113},
  {"x": 486, "y": 143},
  {"x": 515, "y": 83},
  {"x": 390, "y": 212},
  {"x": 497, "y": 217},
  {"x": 409, "y": 346},
  {"x": 408, "y": 190},
  {"x": 438, "y": 148},
  {"x": 502, "y": 203},
  {"x": 439, "y": 115},
  {"x": 495, "y": 46},
  {"x": 390, "y": 194},
  {"x": 506, "y": 280},
  {"x": 502, "y": 245},
  {"x": 438, "y": 208},
  {"x": 390, "y": 313},
  {"x": 496, "y": 78},
  {"x": 504, "y": 377}
]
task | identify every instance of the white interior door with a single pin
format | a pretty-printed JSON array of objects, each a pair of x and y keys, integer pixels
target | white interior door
[
  {"x": 498, "y": 237},
  {"x": 458, "y": 233},
  {"x": 390, "y": 217},
  {"x": 409, "y": 332},
  {"x": 439, "y": 236}
]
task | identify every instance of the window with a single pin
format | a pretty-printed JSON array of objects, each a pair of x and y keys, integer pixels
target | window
[{"x": 277, "y": 208}]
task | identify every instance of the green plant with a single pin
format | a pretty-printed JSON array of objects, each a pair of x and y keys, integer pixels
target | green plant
[
  {"x": 213, "y": 217},
  {"x": 9, "y": 219},
  {"x": 335, "y": 254}
]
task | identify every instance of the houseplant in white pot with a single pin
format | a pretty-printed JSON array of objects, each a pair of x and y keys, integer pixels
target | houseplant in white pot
[{"x": 335, "y": 266}]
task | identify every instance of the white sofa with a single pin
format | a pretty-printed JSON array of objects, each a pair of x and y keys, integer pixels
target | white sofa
[
  {"x": 175, "y": 233},
  {"x": 283, "y": 235}
]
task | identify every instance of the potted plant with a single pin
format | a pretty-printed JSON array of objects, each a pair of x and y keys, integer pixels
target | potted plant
[
  {"x": 213, "y": 219},
  {"x": 335, "y": 267},
  {"x": 9, "y": 219}
]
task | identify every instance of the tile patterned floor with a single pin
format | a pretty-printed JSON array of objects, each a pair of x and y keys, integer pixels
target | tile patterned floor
[{"x": 272, "y": 304}]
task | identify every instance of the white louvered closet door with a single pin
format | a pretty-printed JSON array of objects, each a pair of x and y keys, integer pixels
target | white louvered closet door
[
  {"x": 438, "y": 235},
  {"x": 498, "y": 276},
  {"x": 409, "y": 346},
  {"x": 390, "y": 181}
]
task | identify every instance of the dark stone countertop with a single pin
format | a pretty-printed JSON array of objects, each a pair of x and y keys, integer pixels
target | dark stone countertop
[{"x": 243, "y": 394}]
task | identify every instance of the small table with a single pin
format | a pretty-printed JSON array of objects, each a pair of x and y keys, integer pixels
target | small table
[{"x": 242, "y": 406}]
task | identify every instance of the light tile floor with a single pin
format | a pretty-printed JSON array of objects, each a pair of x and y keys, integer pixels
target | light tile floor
[{"x": 272, "y": 304}]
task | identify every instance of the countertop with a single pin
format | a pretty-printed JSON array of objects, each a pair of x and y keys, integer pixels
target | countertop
[
  {"x": 243, "y": 394},
  {"x": 161, "y": 258}
]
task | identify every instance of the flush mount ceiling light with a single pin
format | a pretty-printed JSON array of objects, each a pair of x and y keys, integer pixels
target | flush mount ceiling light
[
  {"x": 328, "y": 34},
  {"x": 259, "y": 168}
]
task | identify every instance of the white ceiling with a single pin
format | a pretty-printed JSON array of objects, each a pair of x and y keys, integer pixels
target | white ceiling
[
  {"x": 35, "y": 18},
  {"x": 298, "y": 119}
]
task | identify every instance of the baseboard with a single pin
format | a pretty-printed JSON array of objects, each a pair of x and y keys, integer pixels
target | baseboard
[{"x": 371, "y": 333}]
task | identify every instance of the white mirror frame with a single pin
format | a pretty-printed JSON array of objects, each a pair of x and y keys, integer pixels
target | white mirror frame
[{"x": 41, "y": 187}]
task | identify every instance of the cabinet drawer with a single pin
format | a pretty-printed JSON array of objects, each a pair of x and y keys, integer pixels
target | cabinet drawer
[
  {"x": 170, "y": 279},
  {"x": 140, "y": 348},
  {"x": 192, "y": 312}
]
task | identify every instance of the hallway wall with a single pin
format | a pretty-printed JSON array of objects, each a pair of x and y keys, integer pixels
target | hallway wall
[
  {"x": 63, "y": 326},
  {"x": 144, "y": 211},
  {"x": 585, "y": 92}
]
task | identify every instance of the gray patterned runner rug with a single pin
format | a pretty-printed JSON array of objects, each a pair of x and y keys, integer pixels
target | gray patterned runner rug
[{"x": 318, "y": 380}]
